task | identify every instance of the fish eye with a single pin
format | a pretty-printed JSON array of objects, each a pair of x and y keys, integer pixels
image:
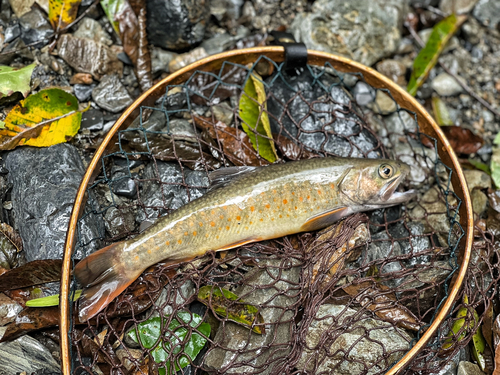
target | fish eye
[{"x": 386, "y": 171}]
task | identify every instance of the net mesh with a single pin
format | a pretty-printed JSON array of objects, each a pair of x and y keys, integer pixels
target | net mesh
[{"x": 352, "y": 298}]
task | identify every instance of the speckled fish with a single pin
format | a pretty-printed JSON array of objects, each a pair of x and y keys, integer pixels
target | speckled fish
[{"x": 244, "y": 204}]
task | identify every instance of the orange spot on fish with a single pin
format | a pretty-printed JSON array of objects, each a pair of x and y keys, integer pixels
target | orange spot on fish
[
  {"x": 308, "y": 197},
  {"x": 229, "y": 219},
  {"x": 194, "y": 233},
  {"x": 200, "y": 224},
  {"x": 185, "y": 233},
  {"x": 295, "y": 207},
  {"x": 261, "y": 219},
  {"x": 180, "y": 242},
  {"x": 280, "y": 216},
  {"x": 246, "y": 228},
  {"x": 301, "y": 199},
  {"x": 167, "y": 243},
  {"x": 191, "y": 223},
  {"x": 332, "y": 186},
  {"x": 149, "y": 251},
  {"x": 293, "y": 193},
  {"x": 227, "y": 228},
  {"x": 212, "y": 224},
  {"x": 285, "y": 201},
  {"x": 263, "y": 193},
  {"x": 251, "y": 222},
  {"x": 319, "y": 192},
  {"x": 213, "y": 212},
  {"x": 217, "y": 237},
  {"x": 252, "y": 208},
  {"x": 238, "y": 217},
  {"x": 221, "y": 216},
  {"x": 272, "y": 219},
  {"x": 268, "y": 205},
  {"x": 137, "y": 258},
  {"x": 274, "y": 190}
]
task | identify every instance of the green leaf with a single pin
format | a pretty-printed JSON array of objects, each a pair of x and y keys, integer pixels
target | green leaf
[
  {"x": 150, "y": 336},
  {"x": 255, "y": 121},
  {"x": 481, "y": 166},
  {"x": 459, "y": 325},
  {"x": 112, "y": 8},
  {"x": 428, "y": 56},
  {"x": 15, "y": 79},
  {"x": 62, "y": 12},
  {"x": 495, "y": 166},
  {"x": 478, "y": 347},
  {"x": 50, "y": 300},
  {"x": 29, "y": 123},
  {"x": 441, "y": 113},
  {"x": 230, "y": 306}
]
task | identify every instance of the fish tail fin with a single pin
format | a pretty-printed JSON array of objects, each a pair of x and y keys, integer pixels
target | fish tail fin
[{"x": 104, "y": 277}]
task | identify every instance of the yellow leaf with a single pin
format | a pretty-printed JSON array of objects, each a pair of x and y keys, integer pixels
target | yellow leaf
[
  {"x": 62, "y": 12},
  {"x": 41, "y": 120}
]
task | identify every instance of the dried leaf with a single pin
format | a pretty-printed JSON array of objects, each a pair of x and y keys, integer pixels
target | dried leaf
[
  {"x": 143, "y": 64},
  {"x": 441, "y": 113},
  {"x": 235, "y": 143},
  {"x": 230, "y": 306},
  {"x": 41, "y": 120},
  {"x": 31, "y": 319},
  {"x": 497, "y": 361},
  {"x": 290, "y": 150},
  {"x": 463, "y": 141},
  {"x": 62, "y": 12},
  {"x": 32, "y": 273},
  {"x": 15, "y": 80},
  {"x": 487, "y": 327},
  {"x": 379, "y": 299},
  {"x": 428, "y": 56},
  {"x": 255, "y": 121}
]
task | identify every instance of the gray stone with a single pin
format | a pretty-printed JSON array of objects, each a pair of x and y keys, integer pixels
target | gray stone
[
  {"x": 224, "y": 41},
  {"x": 172, "y": 299},
  {"x": 414, "y": 246},
  {"x": 92, "y": 120},
  {"x": 124, "y": 185},
  {"x": 35, "y": 28},
  {"x": 8, "y": 310},
  {"x": 394, "y": 70},
  {"x": 45, "y": 181},
  {"x": 274, "y": 289},
  {"x": 384, "y": 104},
  {"x": 479, "y": 202},
  {"x": 446, "y": 85},
  {"x": 176, "y": 24},
  {"x": 450, "y": 368},
  {"x": 222, "y": 112},
  {"x": 91, "y": 29},
  {"x": 488, "y": 12},
  {"x": 477, "y": 179},
  {"x": 187, "y": 58},
  {"x": 457, "y": 6},
  {"x": 111, "y": 95},
  {"x": 88, "y": 56},
  {"x": 25, "y": 354},
  {"x": 365, "y": 31},
  {"x": 363, "y": 93},
  {"x": 119, "y": 222},
  {"x": 226, "y": 9},
  {"x": 12, "y": 32},
  {"x": 164, "y": 189},
  {"x": 350, "y": 342},
  {"x": 160, "y": 59},
  {"x": 332, "y": 115},
  {"x": 83, "y": 92},
  {"x": 467, "y": 368},
  {"x": 180, "y": 129}
]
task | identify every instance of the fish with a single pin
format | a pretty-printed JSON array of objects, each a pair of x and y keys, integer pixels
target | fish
[{"x": 244, "y": 205}]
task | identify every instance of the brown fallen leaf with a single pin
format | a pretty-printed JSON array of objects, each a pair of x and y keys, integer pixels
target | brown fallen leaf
[
  {"x": 32, "y": 273},
  {"x": 31, "y": 319},
  {"x": 143, "y": 63},
  {"x": 379, "y": 299},
  {"x": 235, "y": 142},
  {"x": 289, "y": 149},
  {"x": 496, "y": 371},
  {"x": 11, "y": 244},
  {"x": 463, "y": 141}
]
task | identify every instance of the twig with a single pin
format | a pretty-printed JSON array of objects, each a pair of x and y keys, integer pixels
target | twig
[{"x": 455, "y": 76}]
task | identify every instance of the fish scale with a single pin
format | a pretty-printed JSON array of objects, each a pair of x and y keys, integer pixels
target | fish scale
[{"x": 261, "y": 203}]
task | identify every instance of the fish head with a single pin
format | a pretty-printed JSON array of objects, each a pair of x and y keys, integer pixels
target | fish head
[{"x": 372, "y": 184}]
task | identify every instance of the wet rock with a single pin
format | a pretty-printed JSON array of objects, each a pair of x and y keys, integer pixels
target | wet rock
[
  {"x": 467, "y": 368},
  {"x": 81, "y": 78},
  {"x": 479, "y": 202},
  {"x": 12, "y": 32},
  {"x": 477, "y": 179},
  {"x": 91, "y": 29},
  {"x": 180, "y": 129},
  {"x": 173, "y": 299},
  {"x": 187, "y": 58},
  {"x": 92, "y": 120},
  {"x": 87, "y": 56},
  {"x": 124, "y": 355},
  {"x": 488, "y": 12},
  {"x": 160, "y": 59},
  {"x": 363, "y": 93},
  {"x": 222, "y": 112},
  {"x": 273, "y": 288},
  {"x": 25, "y": 354},
  {"x": 20, "y": 7},
  {"x": 111, "y": 95},
  {"x": 163, "y": 189},
  {"x": 226, "y": 9},
  {"x": 123, "y": 185},
  {"x": 450, "y": 368},
  {"x": 384, "y": 104},
  {"x": 457, "y": 6},
  {"x": 45, "y": 182},
  {"x": 372, "y": 343},
  {"x": 35, "y": 28},
  {"x": 119, "y": 222},
  {"x": 363, "y": 31},
  {"x": 176, "y": 24},
  {"x": 83, "y": 92},
  {"x": 345, "y": 137},
  {"x": 394, "y": 70},
  {"x": 222, "y": 42},
  {"x": 446, "y": 85},
  {"x": 8, "y": 310}
]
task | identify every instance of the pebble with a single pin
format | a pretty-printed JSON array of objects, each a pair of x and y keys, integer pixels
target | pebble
[
  {"x": 21, "y": 7},
  {"x": 456, "y": 6},
  {"x": 384, "y": 104},
  {"x": 160, "y": 59},
  {"x": 91, "y": 29},
  {"x": 83, "y": 78},
  {"x": 488, "y": 13},
  {"x": 187, "y": 58},
  {"x": 12, "y": 32},
  {"x": 92, "y": 120},
  {"x": 111, "y": 95},
  {"x": 446, "y": 85},
  {"x": 467, "y": 368},
  {"x": 83, "y": 92},
  {"x": 87, "y": 56},
  {"x": 35, "y": 28},
  {"x": 395, "y": 70}
]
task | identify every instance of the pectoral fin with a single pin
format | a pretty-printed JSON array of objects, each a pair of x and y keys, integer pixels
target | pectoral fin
[
  {"x": 240, "y": 243},
  {"x": 324, "y": 219}
]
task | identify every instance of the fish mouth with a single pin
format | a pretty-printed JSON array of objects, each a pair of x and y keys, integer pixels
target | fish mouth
[{"x": 391, "y": 197}]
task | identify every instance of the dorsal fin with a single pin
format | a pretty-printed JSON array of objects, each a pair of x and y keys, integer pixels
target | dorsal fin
[{"x": 223, "y": 176}]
